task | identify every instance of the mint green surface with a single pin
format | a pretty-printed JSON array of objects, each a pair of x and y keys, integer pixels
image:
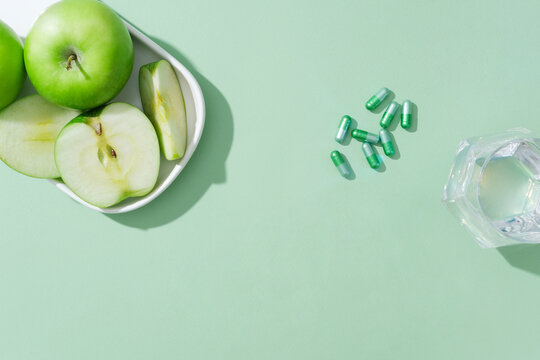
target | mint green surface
[{"x": 261, "y": 250}]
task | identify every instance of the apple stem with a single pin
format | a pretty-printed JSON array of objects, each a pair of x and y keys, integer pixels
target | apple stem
[
  {"x": 113, "y": 153},
  {"x": 71, "y": 58}
]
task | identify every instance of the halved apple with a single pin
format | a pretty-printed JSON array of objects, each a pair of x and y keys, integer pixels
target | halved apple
[
  {"x": 163, "y": 103},
  {"x": 28, "y": 130},
  {"x": 108, "y": 154}
]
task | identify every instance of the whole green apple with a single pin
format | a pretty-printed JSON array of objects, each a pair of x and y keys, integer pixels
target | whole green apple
[
  {"x": 78, "y": 54},
  {"x": 12, "y": 73}
]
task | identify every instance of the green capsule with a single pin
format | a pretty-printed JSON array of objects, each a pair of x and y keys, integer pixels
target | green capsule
[
  {"x": 389, "y": 114},
  {"x": 377, "y": 99},
  {"x": 365, "y": 136},
  {"x": 386, "y": 141},
  {"x": 343, "y": 127},
  {"x": 343, "y": 167},
  {"x": 371, "y": 156},
  {"x": 406, "y": 114}
]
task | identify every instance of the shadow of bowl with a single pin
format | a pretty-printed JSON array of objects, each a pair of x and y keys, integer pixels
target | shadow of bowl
[{"x": 206, "y": 167}]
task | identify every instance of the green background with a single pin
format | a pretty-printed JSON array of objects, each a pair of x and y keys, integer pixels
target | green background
[{"x": 260, "y": 250}]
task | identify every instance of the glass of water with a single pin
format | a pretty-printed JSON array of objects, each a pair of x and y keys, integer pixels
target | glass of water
[{"x": 494, "y": 188}]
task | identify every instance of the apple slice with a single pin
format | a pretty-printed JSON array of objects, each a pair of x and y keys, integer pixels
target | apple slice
[
  {"x": 108, "y": 154},
  {"x": 28, "y": 130},
  {"x": 163, "y": 103}
]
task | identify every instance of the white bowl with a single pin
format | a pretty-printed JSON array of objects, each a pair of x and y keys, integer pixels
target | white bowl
[{"x": 147, "y": 51}]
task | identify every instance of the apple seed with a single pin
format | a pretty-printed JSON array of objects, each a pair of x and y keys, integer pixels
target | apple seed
[{"x": 97, "y": 128}]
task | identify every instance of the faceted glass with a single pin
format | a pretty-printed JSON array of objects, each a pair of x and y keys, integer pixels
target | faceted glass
[{"x": 494, "y": 188}]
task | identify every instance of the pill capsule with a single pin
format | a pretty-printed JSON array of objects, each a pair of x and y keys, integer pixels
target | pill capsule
[
  {"x": 377, "y": 99},
  {"x": 371, "y": 157},
  {"x": 342, "y": 166},
  {"x": 406, "y": 114},
  {"x": 343, "y": 127},
  {"x": 389, "y": 114},
  {"x": 386, "y": 141},
  {"x": 365, "y": 136}
]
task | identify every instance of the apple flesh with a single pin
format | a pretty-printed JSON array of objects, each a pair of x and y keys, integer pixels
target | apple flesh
[
  {"x": 12, "y": 73},
  {"x": 28, "y": 130},
  {"x": 163, "y": 103},
  {"x": 78, "y": 54},
  {"x": 108, "y": 154}
]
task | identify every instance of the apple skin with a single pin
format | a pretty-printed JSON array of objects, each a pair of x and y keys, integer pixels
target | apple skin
[
  {"x": 96, "y": 36},
  {"x": 12, "y": 73}
]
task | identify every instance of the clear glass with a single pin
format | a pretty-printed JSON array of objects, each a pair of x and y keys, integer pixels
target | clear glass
[{"x": 494, "y": 188}]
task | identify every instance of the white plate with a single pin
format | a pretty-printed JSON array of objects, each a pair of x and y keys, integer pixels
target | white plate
[{"x": 147, "y": 51}]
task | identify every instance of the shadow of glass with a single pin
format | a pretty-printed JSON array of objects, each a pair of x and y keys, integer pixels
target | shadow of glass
[
  {"x": 206, "y": 167},
  {"x": 525, "y": 257}
]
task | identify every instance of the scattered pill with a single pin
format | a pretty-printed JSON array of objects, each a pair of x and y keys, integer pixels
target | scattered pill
[
  {"x": 389, "y": 114},
  {"x": 371, "y": 157},
  {"x": 362, "y": 135},
  {"x": 386, "y": 141},
  {"x": 406, "y": 114},
  {"x": 377, "y": 99},
  {"x": 342, "y": 166},
  {"x": 343, "y": 127}
]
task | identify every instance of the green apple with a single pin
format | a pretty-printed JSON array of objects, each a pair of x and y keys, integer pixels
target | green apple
[
  {"x": 78, "y": 54},
  {"x": 28, "y": 130},
  {"x": 108, "y": 154},
  {"x": 12, "y": 72},
  {"x": 163, "y": 103}
]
